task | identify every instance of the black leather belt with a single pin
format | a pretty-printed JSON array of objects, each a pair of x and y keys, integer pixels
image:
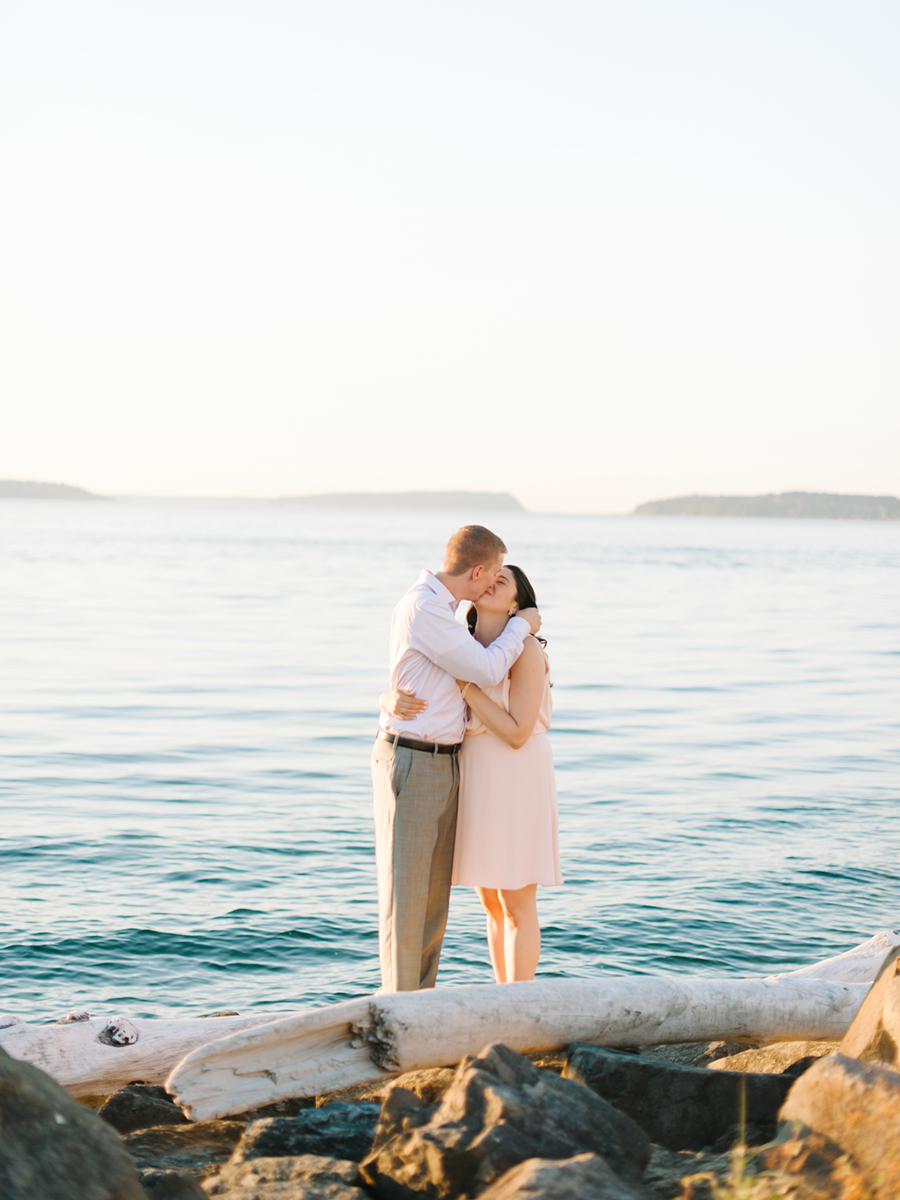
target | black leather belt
[{"x": 412, "y": 744}]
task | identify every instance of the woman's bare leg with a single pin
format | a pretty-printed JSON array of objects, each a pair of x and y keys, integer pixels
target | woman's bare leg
[
  {"x": 522, "y": 933},
  {"x": 495, "y": 930}
]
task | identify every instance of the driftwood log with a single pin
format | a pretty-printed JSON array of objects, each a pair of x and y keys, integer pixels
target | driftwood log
[
  {"x": 361, "y": 1039},
  {"x": 96, "y": 1057},
  {"x": 859, "y": 965},
  {"x": 279, "y": 1054}
]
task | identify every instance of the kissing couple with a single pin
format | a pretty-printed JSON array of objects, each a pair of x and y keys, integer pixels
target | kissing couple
[{"x": 462, "y": 769}]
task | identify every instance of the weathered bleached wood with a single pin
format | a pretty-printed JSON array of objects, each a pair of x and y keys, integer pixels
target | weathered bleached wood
[
  {"x": 349, "y": 1043},
  {"x": 859, "y": 965},
  {"x": 74, "y": 1055}
]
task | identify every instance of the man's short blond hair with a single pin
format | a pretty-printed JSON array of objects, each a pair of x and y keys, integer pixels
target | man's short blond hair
[{"x": 470, "y": 546}]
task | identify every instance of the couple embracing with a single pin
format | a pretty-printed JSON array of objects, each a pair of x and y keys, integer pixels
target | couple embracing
[{"x": 461, "y": 768}]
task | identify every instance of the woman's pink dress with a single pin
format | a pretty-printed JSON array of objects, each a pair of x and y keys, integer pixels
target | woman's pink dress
[{"x": 507, "y": 829}]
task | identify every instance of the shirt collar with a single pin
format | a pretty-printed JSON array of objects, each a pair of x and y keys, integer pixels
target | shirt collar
[{"x": 442, "y": 593}]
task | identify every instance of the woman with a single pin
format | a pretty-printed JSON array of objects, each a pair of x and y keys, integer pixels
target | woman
[{"x": 506, "y": 835}]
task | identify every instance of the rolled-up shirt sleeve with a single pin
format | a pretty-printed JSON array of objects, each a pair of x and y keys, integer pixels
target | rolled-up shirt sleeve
[{"x": 451, "y": 646}]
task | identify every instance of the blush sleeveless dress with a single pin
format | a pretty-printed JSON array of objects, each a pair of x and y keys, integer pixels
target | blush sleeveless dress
[{"x": 507, "y": 828}]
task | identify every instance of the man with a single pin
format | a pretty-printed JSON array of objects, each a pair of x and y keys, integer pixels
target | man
[{"x": 414, "y": 767}]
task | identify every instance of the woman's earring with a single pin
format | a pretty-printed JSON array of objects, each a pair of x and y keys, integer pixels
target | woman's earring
[{"x": 512, "y": 612}]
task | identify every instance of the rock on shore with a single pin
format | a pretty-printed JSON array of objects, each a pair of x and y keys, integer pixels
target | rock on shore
[
  {"x": 343, "y": 1131},
  {"x": 310, "y": 1176},
  {"x": 50, "y": 1145},
  {"x": 682, "y": 1108},
  {"x": 499, "y": 1111},
  {"x": 589, "y": 1124},
  {"x": 840, "y": 1124}
]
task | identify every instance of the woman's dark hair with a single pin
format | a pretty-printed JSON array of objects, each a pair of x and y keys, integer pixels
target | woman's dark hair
[{"x": 525, "y": 598}]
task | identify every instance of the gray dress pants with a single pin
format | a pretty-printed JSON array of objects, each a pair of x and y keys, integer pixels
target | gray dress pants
[{"x": 416, "y": 795}]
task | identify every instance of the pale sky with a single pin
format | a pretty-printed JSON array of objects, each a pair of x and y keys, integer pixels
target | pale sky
[{"x": 590, "y": 253}]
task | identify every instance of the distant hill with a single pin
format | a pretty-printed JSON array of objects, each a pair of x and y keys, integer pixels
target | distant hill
[
  {"x": 815, "y": 505},
  {"x": 17, "y": 489},
  {"x": 487, "y": 501}
]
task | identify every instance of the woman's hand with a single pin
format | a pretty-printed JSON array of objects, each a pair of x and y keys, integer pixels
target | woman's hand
[
  {"x": 401, "y": 703},
  {"x": 516, "y": 724}
]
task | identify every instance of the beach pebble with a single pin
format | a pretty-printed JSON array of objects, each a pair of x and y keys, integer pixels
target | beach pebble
[
  {"x": 72, "y": 1017},
  {"x": 7, "y": 1019}
]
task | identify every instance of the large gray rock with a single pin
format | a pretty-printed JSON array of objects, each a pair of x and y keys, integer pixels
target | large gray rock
[
  {"x": 299, "y": 1177},
  {"x": 140, "y": 1106},
  {"x": 869, "y": 1038},
  {"x": 499, "y": 1111},
  {"x": 682, "y": 1108},
  {"x": 856, "y": 1105},
  {"x": 343, "y": 1131},
  {"x": 196, "y": 1148},
  {"x": 52, "y": 1148},
  {"x": 805, "y": 1166},
  {"x": 584, "y": 1177}
]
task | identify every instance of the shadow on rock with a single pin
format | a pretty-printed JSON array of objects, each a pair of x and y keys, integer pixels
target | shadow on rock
[
  {"x": 682, "y": 1108},
  {"x": 196, "y": 1148},
  {"x": 342, "y": 1131},
  {"x": 499, "y": 1112}
]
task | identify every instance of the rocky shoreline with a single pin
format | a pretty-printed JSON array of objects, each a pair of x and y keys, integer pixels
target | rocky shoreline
[
  {"x": 698, "y": 1121},
  {"x": 591, "y": 1122}
]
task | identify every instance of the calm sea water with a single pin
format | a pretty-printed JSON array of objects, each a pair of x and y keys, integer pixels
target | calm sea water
[{"x": 188, "y": 699}]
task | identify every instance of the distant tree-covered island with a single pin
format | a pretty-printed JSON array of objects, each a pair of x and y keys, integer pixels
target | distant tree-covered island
[
  {"x": 26, "y": 489},
  {"x": 487, "y": 501},
  {"x": 823, "y": 506}
]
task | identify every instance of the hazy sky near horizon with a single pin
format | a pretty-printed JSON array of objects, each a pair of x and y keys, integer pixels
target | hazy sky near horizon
[{"x": 589, "y": 253}]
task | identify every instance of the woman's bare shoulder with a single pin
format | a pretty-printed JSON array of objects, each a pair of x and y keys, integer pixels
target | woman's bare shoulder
[{"x": 532, "y": 655}]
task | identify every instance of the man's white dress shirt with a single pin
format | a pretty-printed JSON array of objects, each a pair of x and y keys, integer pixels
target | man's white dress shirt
[{"x": 430, "y": 650}]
